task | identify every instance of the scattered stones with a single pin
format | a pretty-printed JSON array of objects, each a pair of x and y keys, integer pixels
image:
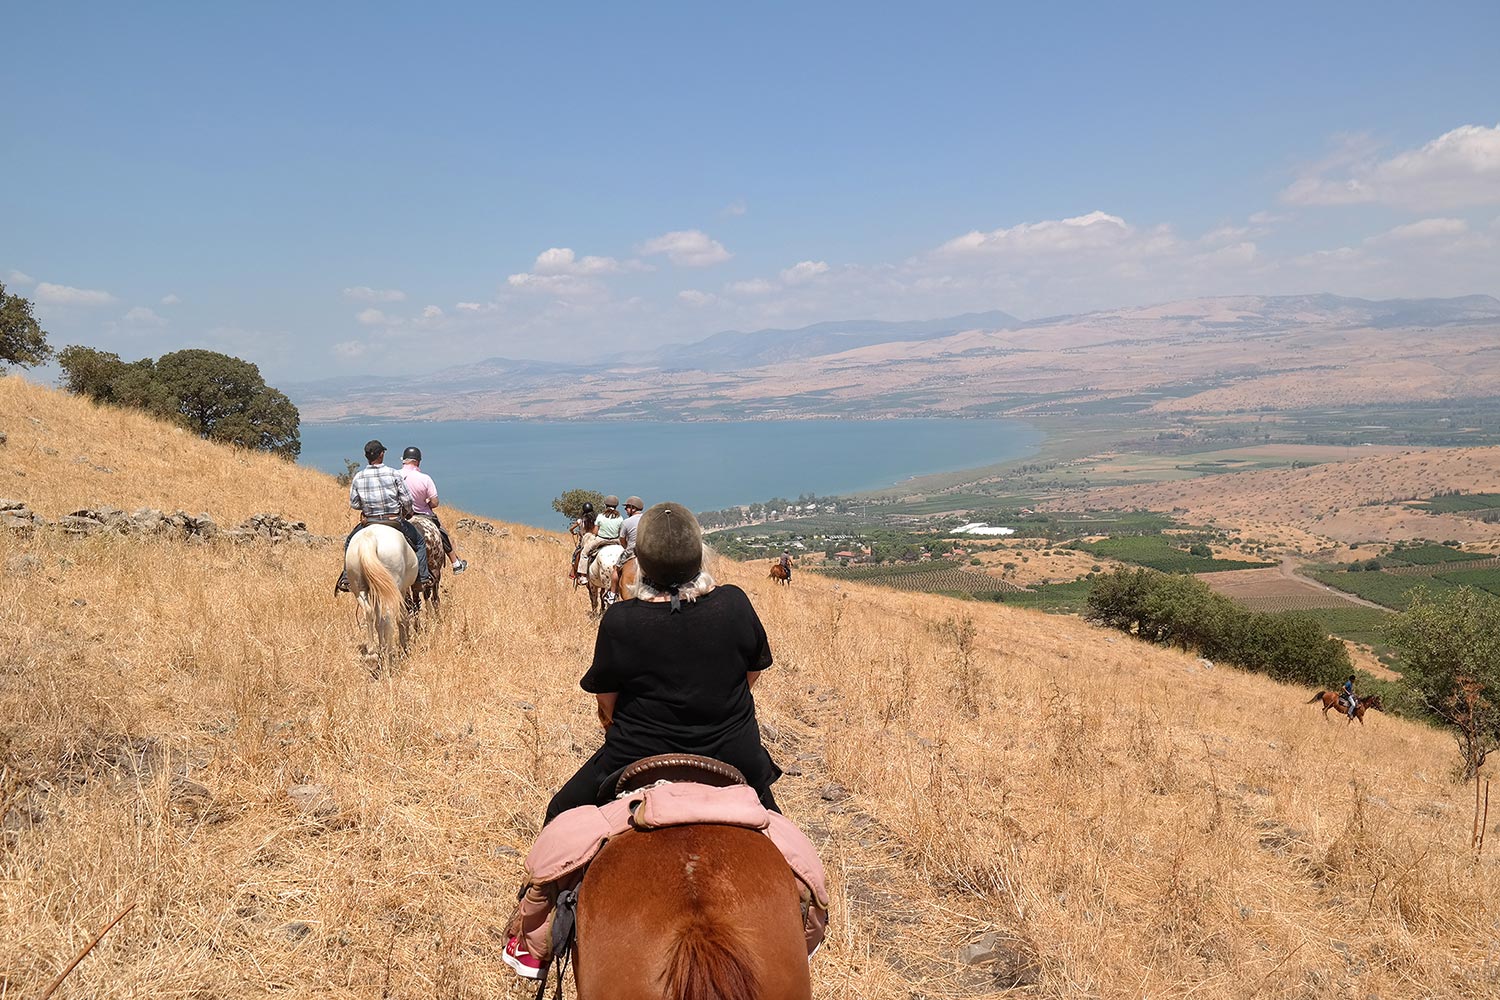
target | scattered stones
[
  {"x": 769, "y": 732},
  {"x": 1206, "y": 664},
  {"x": 313, "y": 800},
  {"x": 22, "y": 565},
  {"x": 1012, "y": 961},
  {"x": 475, "y": 524},
  {"x": 833, "y": 792},
  {"x": 4, "y": 438},
  {"x": 79, "y": 602},
  {"x": 504, "y": 851},
  {"x": 296, "y": 930},
  {"x": 525, "y": 706},
  {"x": 274, "y": 528}
]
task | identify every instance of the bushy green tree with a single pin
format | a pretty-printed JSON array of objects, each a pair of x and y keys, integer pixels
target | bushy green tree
[
  {"x": 23, "y": 342},
  {"x": 570, "y": 504},
  {"x": 1451, "y": 648},
  {"x": 218, "y": 397}
]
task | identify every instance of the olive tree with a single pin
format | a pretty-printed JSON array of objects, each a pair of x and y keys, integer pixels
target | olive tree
[
  {"x": 23, "y": 342},
  {"x": 1451, "y": 646}
]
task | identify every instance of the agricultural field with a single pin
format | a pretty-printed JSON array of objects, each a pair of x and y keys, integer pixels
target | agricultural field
[
  {"x": 1155, "y": 552},
  {"x": 1271, "y": 590},
  {"x": 1054, "y": 598},
  {"x": 1459, "y": 503},
  {"x": 1365, "y": 626},
  {"x": 1431, "y": 555},
  {"x": 1386, "y": 589},
  {"x": 935, "y": 577},
  {"x": 1480, "y": 579}
]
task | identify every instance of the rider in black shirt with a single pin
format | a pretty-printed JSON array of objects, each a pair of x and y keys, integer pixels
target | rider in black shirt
[{"x": 673, "y": 668}]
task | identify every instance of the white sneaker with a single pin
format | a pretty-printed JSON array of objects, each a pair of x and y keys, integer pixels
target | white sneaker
[{"x": 459, "y": 565}]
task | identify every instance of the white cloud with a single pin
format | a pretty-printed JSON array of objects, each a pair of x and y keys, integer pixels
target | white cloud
[
  {"x": 735, "y": 208},
  {"x": 471, "y": 307},
  {"x": 1457, "y": 169},
  {"x": 805, "y": 271},
  {"x": 687, "y": 248},
  {"x": 141, "y": 316},
  {"x": 754, "y": 286},
  {"x": 374, "y": 317},
  {"x": 349, "y": 350},
  {"x": 171, "y": 299},
  {"x": 1426, "y": 229},
  {"x": 564, "y": 286},
  {"x": 693, "y": 297},
  {"x": 64, "y": 295},
  {"x": 432, "y": 312},
  {"x": 562, "y": 260},
  {"x": 1082, "y": 232},
  {"x": 19, "y": 278},
  {"x": 364, "y": 293}
]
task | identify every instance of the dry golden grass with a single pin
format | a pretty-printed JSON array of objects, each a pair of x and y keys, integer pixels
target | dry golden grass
[{"x": 1147, "y": 827}]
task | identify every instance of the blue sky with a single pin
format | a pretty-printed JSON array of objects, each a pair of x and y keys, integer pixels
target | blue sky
[{"x": 328, "y": 188}]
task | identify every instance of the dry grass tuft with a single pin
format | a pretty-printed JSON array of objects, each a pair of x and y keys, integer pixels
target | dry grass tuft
[{"x": 1123, "y": 822}]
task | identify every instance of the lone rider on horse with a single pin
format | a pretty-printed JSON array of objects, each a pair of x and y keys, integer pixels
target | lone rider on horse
[
  {"x": 672, "y": 673},
  {"x": 424, "y": 500},
  {"x": 380, "y": 495},
  {"x": 1350, "y": 701},
  {"x": 581, "y": 528}
]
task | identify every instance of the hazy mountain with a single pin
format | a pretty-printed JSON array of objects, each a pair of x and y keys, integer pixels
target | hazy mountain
[
  {"x": 735, "y": 349},
  {"x": 1228, "y": 354}
]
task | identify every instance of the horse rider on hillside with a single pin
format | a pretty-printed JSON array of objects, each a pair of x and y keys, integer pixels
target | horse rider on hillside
[
  {"x": 628, "y": 530},
  {"x": 1350, "y": 701},
  {"x": 424, "y": 499},
  {"x": 606, "y": 532},
  {"x": 581, "y": 528},
  {"x": 380, "y": 495},
  {"x": 785, "y": 562}
]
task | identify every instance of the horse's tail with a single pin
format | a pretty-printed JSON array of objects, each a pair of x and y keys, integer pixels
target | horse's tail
[
  {"x": 1315, "y": 697},
  {"x": 706, "y": 966},
  {"x": 379, "y": 582}
]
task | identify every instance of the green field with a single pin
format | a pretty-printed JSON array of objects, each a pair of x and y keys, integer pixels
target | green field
[
  {"x": 878, "y": 574},
  {"x": 1383, "y": 588},
  {"x": 1480, "y": 579},
  {"x": 1155, "y": 552},
  {"x": 1456, "y": 503},
  {"x": 1057, "y": 598},
  {"x": 1429, "y": 555},
  {"x": 937, "y": 576}
]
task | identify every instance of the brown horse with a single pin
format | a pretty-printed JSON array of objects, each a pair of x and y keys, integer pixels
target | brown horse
[
  {"x": 436, "y": 560},
  {"x": 706, "y": 912},
  {"x": 1332, "y": 699},
  {"x": 780, "y": 573}
]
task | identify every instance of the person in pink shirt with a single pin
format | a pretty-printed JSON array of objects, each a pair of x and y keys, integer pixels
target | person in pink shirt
[{"x": 424, "y": 500}]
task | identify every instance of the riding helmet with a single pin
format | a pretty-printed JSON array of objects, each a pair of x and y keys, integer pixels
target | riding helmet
[
  {"x": 635, "y": 502},
  {"x": 611, "y": 501},
  {"x": 588, "y": 508},
  {"x": 669, "y": 545},
  {"x": 412, "y": 454}
]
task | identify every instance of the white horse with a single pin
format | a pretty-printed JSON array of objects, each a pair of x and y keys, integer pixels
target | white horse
[
  {"x": 602, "y": 578},
  {"x": 382, "y": 568}
]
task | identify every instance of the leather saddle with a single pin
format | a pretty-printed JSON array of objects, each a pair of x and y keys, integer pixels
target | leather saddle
[{"x": 677, "y": 767}]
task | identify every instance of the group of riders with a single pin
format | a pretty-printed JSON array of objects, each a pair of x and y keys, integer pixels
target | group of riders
[
  {"x": 672, "y": 670},
  {"x": 383, "y": 495}
]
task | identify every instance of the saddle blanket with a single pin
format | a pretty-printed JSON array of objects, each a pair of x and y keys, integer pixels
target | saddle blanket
[{"x": 566, "y": 845}]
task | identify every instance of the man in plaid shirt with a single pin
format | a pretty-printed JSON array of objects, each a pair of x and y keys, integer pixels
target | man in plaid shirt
[{"x": 380, "y": 495}]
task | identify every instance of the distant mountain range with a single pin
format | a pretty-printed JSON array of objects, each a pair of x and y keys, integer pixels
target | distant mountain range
[{"x": 1208, "y": 355}]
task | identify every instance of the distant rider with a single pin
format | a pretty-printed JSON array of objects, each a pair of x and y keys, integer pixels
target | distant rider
[
  {"x": 581, "y": 528},
  {"x": 606, "y": 532},
  {"x": 380, "y": 495},
  {"x": 424, "y": 500},
  {"x": 786, "y": 563},
  {"x": 1349, "y": 699}
]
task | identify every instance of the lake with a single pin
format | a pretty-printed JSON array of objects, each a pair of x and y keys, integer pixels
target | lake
[{"x": 511, "y": 470}]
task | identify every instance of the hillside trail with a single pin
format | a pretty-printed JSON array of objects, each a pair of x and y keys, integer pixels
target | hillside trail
[{"x": 1290, "y": 567}]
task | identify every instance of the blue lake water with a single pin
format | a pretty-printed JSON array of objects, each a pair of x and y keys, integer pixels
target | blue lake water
[{"x": 511, "y": 470}]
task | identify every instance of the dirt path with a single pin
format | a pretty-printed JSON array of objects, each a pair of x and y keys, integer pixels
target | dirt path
[{"x": 1289, "y": 567}]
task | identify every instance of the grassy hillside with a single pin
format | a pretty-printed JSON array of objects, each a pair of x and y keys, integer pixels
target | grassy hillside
[{"x": 1133, "y": 824}]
